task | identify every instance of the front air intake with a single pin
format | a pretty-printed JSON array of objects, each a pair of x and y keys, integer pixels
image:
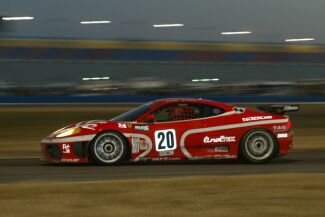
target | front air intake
[{"x": 54, "y": 152}]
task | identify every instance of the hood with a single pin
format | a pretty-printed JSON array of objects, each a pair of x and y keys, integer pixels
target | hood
[
  {"x": 81, "y": 128},
  {"x": 91, "y": 125}
]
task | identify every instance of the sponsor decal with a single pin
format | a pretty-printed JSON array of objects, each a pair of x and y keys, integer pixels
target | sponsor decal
[
  {"x": 166, "y": 153},
  {"x": 148, "y": 141},
  {"x": 143, "y": 145},
  {"x": 221, "y": 156},
  {"x": 141, "y": 127},
  {"x": 219, "y": 139},
  {"x": 221, "y": 149},
  {"x": 280, "y": 128},
  {"x": 65, "y": 148},
  {"x": 256, "y": 118},
  {"x": 135, "y": 145},
  {"x": 290, "y": 108},
  {"x": 282, "y": 135},
  {"x": 129, "y": 125},
  {"x": 122, "y": 125},
  {"x": 225, "y": 156},
  {"x": 70, "y": 160},
  {"x": 164, "y": 159}
]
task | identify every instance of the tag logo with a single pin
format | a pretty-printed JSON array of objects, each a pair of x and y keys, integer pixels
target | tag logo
[{"x": 280, "y": 128}]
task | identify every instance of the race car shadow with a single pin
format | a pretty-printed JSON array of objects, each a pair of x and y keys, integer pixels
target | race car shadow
[
  {"x": 175, "y": 162},
  {"x": 211, "y": 162}
]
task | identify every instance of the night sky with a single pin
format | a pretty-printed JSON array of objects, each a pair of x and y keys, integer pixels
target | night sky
[{"x": 269, "y": 21}]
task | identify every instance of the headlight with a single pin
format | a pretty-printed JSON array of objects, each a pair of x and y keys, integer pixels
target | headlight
[
  {"x": 69, "y": 132},
  {"x": 58, "y": 131}
]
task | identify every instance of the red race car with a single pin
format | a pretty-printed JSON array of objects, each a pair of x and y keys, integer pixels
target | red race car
[{"x": 175, "y": 129}]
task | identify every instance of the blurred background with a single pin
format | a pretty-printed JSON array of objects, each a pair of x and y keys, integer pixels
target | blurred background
[
  {"x": 64, "y": 61},
  {"x": 122, "y": 49}
]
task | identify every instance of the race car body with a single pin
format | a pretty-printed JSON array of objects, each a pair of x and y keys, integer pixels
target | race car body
[{"x": 175, "y": 129}]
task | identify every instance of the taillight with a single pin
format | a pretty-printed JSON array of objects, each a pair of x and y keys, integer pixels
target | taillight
[{"x": 289, "y": 124}]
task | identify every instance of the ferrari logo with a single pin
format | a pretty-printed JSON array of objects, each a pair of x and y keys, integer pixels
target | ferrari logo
[{"x": 129, "y": 125}]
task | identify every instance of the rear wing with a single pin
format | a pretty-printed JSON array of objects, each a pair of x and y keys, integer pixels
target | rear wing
[{"x": 279, "y": 109}]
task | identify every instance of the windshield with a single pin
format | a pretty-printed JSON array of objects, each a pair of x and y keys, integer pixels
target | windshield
[{"x": 132, "y": 114}]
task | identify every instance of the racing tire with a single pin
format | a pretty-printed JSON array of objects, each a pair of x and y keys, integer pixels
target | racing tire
[
  {"x": 258, "y": 146},
  {"x": 109, "y": 148}
]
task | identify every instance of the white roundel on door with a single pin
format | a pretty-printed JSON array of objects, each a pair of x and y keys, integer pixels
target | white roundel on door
[{"x": 165, "y": 140}]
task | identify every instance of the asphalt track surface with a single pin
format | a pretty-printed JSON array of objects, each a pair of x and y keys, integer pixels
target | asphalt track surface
[{"x": 34, "y": 169}]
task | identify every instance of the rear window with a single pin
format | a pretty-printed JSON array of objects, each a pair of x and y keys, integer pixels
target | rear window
[{"x": 208, "y": 111}]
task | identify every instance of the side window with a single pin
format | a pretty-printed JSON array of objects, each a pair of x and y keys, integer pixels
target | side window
[
  {"x": 208, "y": 110},
  {"x": 177, "y": 112}
]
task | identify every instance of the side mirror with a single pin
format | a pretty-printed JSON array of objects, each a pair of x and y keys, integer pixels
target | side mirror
[{"x": 150, "y": 118}]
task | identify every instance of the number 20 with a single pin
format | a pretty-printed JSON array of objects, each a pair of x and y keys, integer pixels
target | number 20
[{"x": 165, "y": 140}]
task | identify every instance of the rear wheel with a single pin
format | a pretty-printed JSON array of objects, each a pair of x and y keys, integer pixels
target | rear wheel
[
  {"x": 109, "y": 148},
  {"x": 258, "y": 146}
]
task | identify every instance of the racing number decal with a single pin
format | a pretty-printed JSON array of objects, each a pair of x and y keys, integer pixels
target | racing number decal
[{"x": 165, "y": 140}]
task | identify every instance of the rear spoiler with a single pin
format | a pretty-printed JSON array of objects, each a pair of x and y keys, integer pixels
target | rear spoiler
[{"x": 279, "y": 109}]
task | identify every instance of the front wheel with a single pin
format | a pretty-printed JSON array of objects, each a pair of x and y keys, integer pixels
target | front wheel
[
  {"x": 258, "y": 146},
  {"x": 108, "y": 148}
]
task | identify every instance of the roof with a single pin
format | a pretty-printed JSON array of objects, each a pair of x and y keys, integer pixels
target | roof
[{"x": 194, "y": 100}]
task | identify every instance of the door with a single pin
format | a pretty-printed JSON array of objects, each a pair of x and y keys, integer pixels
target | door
[
  {"x": 213, "y": 138},
  {"x": 167, "y": 125}
]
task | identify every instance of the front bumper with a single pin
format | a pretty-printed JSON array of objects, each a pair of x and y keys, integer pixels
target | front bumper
[
  {"x": 74, "y": 149},
  {"x": 72, "y": 152}
]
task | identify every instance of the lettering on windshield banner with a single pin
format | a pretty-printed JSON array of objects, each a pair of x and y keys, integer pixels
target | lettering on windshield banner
[{"x": 257, "y": 118}]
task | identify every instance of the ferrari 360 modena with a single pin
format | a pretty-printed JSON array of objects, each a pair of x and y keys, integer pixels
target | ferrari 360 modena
[{"x": 175, "y": 129}]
